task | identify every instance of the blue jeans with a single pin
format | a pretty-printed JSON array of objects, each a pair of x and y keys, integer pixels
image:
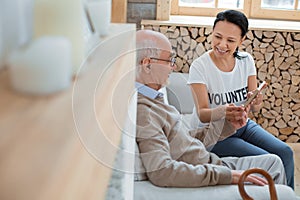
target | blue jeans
[{"x": 251, "y": 140}]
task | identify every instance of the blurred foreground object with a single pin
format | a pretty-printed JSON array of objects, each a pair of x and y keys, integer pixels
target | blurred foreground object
[{"x": 43, "y": 67}]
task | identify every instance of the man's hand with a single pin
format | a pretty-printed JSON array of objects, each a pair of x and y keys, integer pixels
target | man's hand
[
  {"x": 251, "y": 178},
  {"x": 237, "y": 115}
]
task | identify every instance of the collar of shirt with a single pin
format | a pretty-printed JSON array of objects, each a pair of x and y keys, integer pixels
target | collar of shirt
[{"x": 147, "y": 91}]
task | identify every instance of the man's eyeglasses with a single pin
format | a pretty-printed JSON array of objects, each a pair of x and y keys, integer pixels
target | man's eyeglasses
[{"x": 172, "y": 61}]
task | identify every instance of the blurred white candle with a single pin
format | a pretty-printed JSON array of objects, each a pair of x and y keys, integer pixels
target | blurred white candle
[
  {"x": 43, "y": 67},
  {"x": 62, "y": 18},
  {"x": 16, "y": 22},
  {"x": 100, "y": 13}
]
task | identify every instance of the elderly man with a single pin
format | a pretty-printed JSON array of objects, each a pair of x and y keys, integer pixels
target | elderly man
[{"x": 172, "y": 154}]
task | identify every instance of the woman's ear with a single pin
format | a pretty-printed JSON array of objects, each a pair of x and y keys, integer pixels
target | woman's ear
[{"x": 242, "y": 40}]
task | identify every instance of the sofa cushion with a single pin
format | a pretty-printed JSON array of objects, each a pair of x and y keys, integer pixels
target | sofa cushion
[
  {"x": 179, "y": 93},
  {"x": 144, "y": 190}
]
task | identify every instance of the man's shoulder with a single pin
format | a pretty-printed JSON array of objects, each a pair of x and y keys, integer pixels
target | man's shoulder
[
  {"x": 146, "y": 104},
  {"x": 142, "y": 99},
  {"x": 158, "y": 105}
]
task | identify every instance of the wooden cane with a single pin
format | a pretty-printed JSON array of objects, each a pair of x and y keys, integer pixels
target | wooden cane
[{"x": 271, "y": 184}]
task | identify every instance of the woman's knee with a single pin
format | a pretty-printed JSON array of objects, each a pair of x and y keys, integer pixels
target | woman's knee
[
  {"x": 289, "y": 151},
  {"x": 286, "y": 153}
]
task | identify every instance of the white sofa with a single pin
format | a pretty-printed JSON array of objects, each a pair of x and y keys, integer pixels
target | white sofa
[{"x": 179, "y": 95}]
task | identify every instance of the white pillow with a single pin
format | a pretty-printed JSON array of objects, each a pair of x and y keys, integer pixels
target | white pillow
[{"x": 179, "y": 93}]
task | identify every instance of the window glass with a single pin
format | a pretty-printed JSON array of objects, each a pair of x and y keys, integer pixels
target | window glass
[
  {"x": 261, "y": 9},
  {"x": 231, "y": 4},
  {"x": 278, "y": 4},
  {"x": 197, "y": 3}
]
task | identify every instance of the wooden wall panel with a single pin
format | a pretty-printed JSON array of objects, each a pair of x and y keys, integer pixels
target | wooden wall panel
[
  {"x": 163, "y": 10},
  {"x": 119, "y": 11}
]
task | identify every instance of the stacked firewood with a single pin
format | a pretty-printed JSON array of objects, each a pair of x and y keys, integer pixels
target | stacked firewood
[{"x": 277, "y": 58}]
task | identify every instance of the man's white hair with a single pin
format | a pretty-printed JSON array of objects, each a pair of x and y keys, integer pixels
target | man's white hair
[{"x": 147, "y": 46}]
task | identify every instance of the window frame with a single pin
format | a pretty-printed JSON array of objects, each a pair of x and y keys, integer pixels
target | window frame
[{"x": 251, "y": 10}]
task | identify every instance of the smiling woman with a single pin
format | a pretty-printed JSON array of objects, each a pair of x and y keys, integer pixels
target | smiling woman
[{"x": 221, "y": 71}]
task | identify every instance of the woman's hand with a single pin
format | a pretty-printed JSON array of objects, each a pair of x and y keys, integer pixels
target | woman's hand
[
  {"x": 257, "y": 180},
  {"x": 256, "y": 102}
]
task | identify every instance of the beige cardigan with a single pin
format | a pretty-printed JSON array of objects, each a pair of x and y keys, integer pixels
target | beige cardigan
[{"x": 171, "y": 154}]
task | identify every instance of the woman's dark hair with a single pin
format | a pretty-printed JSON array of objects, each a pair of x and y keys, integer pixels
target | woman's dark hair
[{"x": 236, "y": 17}]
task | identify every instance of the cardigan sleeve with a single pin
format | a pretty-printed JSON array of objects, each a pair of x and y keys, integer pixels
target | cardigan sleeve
[
  {"x": 162, "y": 169},
  {"x": 213, "y": 132}
]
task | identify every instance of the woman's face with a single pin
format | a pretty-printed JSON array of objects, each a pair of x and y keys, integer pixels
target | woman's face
[{"x": 226, "y": 37}]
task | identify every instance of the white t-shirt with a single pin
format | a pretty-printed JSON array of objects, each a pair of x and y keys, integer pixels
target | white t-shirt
[{"x": 222, "y": 87}]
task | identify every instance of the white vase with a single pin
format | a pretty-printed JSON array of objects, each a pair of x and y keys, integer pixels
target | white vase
[{"x": 44, "y": 67}]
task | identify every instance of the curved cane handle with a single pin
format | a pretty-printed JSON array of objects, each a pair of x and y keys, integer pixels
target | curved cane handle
[{"x": 242, "y": 191}]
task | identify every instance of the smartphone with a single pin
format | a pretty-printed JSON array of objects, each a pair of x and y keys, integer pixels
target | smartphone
[{"x": 260, "y": 88}]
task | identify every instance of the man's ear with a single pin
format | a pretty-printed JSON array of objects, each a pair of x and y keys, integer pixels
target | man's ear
[{"x": 146, "y": 64}]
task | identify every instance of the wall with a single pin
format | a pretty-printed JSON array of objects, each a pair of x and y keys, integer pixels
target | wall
[
  {"x": 277, "y": 57},
  {"x": 140, "y": 9}
]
